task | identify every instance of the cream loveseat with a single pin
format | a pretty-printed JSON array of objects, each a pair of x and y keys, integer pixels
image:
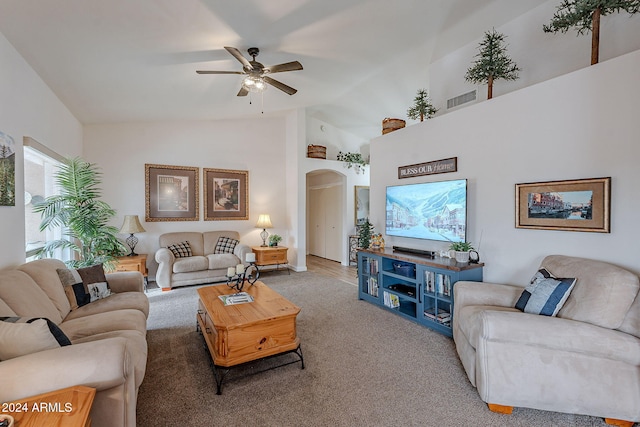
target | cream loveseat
[
  {"x": 108, "y": 348},
  {"x": 584, "y": 361},
  {"x": 207, "y": 262}
]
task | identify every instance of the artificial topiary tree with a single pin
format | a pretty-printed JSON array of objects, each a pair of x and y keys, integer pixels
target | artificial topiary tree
[
  {"x": 585, "y": 16},
  {"x": 493, "y": 63},
  {"x": 422, "y": 107},
  {"x": 365, "y": 230}
]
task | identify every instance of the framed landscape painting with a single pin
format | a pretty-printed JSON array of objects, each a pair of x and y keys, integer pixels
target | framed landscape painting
[
  {"x": 171, "y": 193},
  {"x": 226, "y": 194},
  {"x": 578, "y": 205}
]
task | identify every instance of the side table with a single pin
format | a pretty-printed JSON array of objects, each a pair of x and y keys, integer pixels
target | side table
[
  {"x": 134, "y": 263},
  {"x": 67, "y": 407},
  {"x": 271, "y": 255},
  {"x": 353, "y": 249}
]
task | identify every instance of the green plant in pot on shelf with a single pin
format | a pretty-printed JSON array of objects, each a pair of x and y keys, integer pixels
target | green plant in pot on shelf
[
  {"x": 274, "y": 239},
  {"x": 353, "y": 160},
  {"x": 462, "y": 250}
]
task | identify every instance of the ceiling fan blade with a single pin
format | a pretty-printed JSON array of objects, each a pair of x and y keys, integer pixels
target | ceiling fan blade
[
  {"x": 218, "y": 72},
  {"x": 283, "y": 87},
  {"x": 243, "y": 92},
  {"x": 287, "y": 66},
  {"x": 236, "y": 54}
]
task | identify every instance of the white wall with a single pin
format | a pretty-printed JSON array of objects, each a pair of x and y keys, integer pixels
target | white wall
[
  {"x": 579, "y": 125},
  {"x": 28, "y": 108},
  {"x": 540, "y": 56},
  {"x": 335, "y": 139},
  {"x": 256, "y": 145}
]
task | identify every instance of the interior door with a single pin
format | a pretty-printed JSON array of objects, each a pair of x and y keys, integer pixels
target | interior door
[
  {"x": 316, "y": 222},
  {"x": 333, "y": 222}
]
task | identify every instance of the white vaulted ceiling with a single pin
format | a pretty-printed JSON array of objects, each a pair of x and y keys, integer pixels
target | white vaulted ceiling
[{"x": 135, "y": 60}]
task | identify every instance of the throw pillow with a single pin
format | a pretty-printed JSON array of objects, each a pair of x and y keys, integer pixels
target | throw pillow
[
  {"x": 225, "y": 245},
  {"x": 74, "y": 289},
  {"x": 95, "y": 281},
  {"x": 92, "y": 274},
  {"x": 545, "y": 294},
  {"x": 84, "y": 285},
  {"x": 20, "y": 336},
  {"x": 180, "y": 250}
]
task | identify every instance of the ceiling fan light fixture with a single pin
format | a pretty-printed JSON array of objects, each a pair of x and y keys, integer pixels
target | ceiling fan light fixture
[{"x": 254, "y": 84}]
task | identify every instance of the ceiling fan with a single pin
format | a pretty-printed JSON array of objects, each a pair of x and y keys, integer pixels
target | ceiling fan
[{"x": 256, "y": 73}]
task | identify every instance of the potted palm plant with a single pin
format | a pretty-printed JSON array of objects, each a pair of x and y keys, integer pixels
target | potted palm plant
[{"x": 82, "y": 215}]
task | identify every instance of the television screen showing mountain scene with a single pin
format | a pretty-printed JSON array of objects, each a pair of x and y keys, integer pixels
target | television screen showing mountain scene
[{"x": 432, "y": 210}]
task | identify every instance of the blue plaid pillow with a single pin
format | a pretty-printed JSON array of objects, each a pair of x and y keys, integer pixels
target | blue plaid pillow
[
  {"x": 545, "y": 294},
  {"x": 225, "y": 245}
]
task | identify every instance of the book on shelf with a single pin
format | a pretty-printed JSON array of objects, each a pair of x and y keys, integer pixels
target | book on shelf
[
  {"x": 441, "y": 316},
  {"x": 429, "y": 280},
  {"x": 371, "y": 266},
  {"x": 443, "y": 284},
  {"x": 391, "y": 300},
  {"x": 372, "y": 286},
  {"x": 446, "y": 286}
]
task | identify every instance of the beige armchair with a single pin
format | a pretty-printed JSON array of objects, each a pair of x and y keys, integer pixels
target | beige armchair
[{"x": 584, "y": 361}]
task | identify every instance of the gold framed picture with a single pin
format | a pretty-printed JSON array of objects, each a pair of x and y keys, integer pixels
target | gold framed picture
[
  {"x": 226, "y": 194},
  {"x": 361, "y": 204},
  {"x": 171, "y": 193},
  {"x": 576, "y": 205}
]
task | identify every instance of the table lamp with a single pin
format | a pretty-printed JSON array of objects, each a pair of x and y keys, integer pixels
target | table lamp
[
  {"x": 131, "y": 225},
  {"x": 264, "y": 222}
]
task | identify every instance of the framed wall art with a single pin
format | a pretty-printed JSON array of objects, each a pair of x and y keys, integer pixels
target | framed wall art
[
  {"x": 171, "y": 193},
  {"x": 577, "y": 205},
  {"x": 7, "y": 170},
  {"x": 361, "y": 204},
  {"x": 226, "y": 194}
]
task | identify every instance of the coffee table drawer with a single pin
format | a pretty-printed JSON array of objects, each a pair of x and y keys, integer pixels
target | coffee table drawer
[
  {"x": 256, "y": 341},
  {"x": 209, "y": 331}
]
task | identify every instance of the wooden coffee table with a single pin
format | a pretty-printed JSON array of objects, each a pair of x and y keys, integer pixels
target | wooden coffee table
[{"x": 243, "y": 333}]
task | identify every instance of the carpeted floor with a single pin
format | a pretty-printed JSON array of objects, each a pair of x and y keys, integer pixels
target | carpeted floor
[{"x": 364, "y": 367}]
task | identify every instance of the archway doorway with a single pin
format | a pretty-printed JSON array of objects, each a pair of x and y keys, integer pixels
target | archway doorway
[{"x": 325, "y": 214}]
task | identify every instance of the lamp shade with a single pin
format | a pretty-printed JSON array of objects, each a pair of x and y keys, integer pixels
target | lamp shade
[
  {"x": 264, "y": 221},
  {"x": 131, "y": 225}
]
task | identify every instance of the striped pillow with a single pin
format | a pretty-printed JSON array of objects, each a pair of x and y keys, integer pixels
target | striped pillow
[
  {"x": 225, "y": 245},
  {"x": 545, "y": 294},
  {"x": 181, "y": 250}
]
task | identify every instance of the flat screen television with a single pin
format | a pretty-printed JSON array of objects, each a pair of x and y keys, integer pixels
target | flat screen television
[{"x": 430, "y": 210}]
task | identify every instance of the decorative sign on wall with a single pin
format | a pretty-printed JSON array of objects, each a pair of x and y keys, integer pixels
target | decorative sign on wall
[{"x": 428, "y": 168}]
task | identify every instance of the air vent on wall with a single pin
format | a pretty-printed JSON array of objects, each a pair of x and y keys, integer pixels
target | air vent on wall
[{"x": 461, "y": 99}]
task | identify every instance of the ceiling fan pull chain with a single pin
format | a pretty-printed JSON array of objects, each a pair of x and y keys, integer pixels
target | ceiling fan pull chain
[{"x": 262, "y": 107}]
